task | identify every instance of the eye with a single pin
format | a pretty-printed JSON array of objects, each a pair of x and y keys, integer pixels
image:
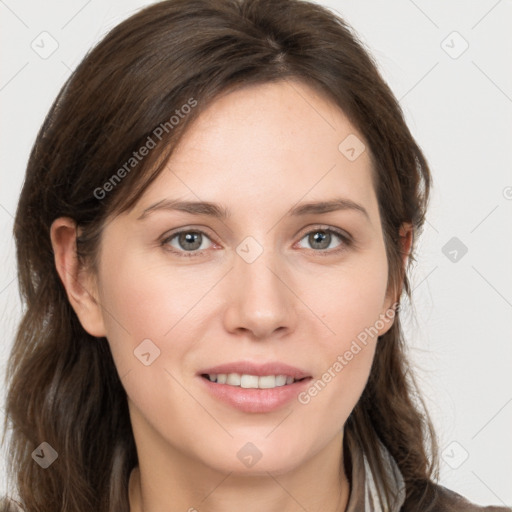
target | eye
[
  {"x": 191, "y": 241},
  {"x": 321, "y": 240}
]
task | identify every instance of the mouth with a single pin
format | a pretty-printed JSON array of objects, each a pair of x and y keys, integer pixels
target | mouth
[
  {"x": 254, "y": 387},
  {"x": 248, "y": 381}
]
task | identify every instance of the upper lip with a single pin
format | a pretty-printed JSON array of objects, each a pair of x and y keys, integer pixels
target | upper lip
[{"x": 261, "y": 369}]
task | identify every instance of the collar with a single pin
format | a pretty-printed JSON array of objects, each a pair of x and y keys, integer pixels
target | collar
[{"x": 366, "y": 486}]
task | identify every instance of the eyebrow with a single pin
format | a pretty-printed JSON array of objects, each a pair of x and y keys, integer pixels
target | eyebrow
[{"x": 217, "y": 211}]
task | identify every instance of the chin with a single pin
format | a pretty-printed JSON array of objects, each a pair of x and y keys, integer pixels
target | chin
[{"x": 257, "y": 457}]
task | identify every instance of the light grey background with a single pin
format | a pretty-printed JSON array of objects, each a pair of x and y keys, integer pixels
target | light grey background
[{"x": 458, "y": 104}]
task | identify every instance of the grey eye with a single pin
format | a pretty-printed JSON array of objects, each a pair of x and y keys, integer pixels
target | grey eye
[
  {"x": 188, "y": 241},
  {"x": 321, "y": 239}
]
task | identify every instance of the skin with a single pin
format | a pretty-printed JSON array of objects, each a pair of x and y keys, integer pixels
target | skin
[{"x": 257, "y": 151}]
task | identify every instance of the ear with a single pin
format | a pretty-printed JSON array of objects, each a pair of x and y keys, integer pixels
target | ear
[
  {"x": 80, "y": 284},
  {"x": 406, "y": 234}
]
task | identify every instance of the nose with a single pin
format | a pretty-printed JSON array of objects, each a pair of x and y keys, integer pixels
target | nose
[{"x": 260, "y": 301}]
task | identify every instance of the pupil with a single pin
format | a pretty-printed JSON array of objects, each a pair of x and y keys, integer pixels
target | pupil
[
  {"x": 322, "y": 238},
  {"x": 193, "y": 239}
]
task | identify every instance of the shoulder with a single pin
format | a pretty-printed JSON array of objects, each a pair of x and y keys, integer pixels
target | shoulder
[
  {"x": 437, "y": 498},
  {"x": 449, "y": 500}
]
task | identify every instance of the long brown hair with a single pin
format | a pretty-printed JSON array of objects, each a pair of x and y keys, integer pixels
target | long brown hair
[{"x": 63, "y": 387}]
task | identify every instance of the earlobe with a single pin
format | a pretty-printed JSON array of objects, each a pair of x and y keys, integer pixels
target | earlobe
[
  {"x": 386, "y": 319},
  {"x": 79, "y": 283}
]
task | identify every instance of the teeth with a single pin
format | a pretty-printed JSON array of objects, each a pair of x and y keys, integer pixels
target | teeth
[
  {"x": 233, "y": 379},
  {"x": 280, "y": 380},
  {"x": 267, "y": 382},
  {"x": 251, "y": 381}
]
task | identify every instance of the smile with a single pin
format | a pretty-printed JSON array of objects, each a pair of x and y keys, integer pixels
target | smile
[{"x": 251, "y": 381}]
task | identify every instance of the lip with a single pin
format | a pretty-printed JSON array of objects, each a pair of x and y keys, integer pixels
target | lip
[
  {"x": 254, "y": 400},
  {"x": 250, "y": 368}
]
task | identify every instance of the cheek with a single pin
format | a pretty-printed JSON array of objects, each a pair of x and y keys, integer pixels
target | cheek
[
  {"x": 139, "y": 307},
  {"x": 351, "y": 306},
  {"x": 149, "y": 323},
  {"x": 156, "y": 314},
  {"x": 336, "y": 388},
  {"x": 349, "y": 301},
  {"x": 147, "y": 301}
]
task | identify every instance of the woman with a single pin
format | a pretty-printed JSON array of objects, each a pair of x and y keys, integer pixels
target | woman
[{"x": 212, "y": 239}]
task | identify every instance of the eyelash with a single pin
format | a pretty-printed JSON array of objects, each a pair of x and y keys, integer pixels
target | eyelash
[{"x": 347, "y": 242}]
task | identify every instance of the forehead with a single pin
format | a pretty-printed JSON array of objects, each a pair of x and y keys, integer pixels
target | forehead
[{"x": 268, "y": 144}]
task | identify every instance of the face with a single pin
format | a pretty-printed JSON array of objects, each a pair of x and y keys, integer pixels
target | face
[{"x": 276, "y": 286}]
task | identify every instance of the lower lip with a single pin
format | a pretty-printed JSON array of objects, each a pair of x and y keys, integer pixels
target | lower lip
[{"x": 256, "y": 400}]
